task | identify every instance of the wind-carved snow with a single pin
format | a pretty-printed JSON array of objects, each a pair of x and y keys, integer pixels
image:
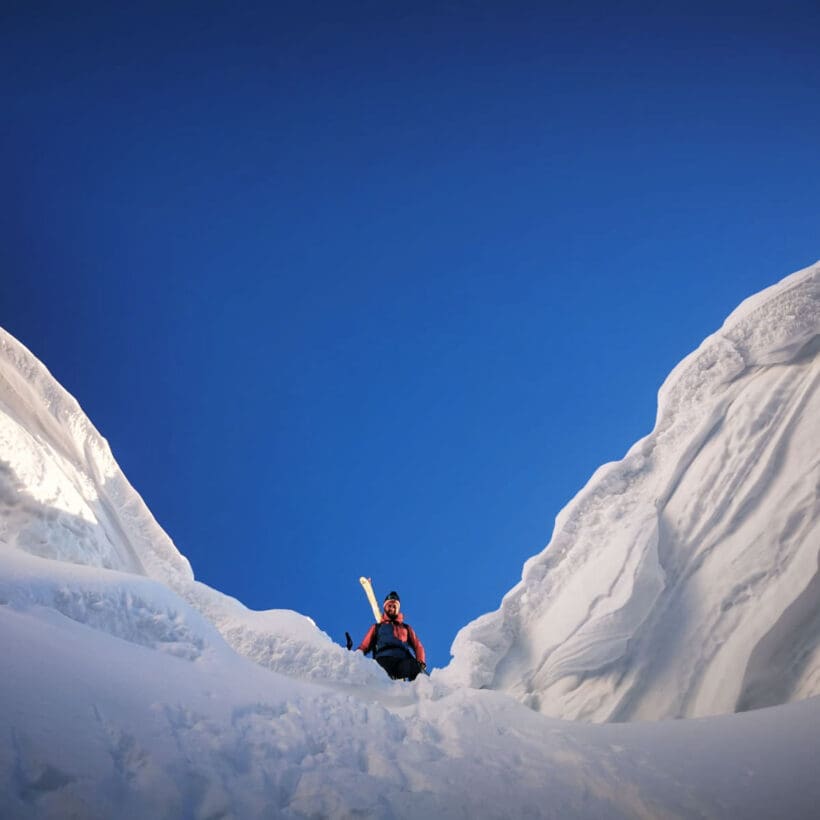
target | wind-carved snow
[
  {"x": 63, "y": 497},
  {"x": 133, "y": 609},
  {"x": 683, "y": 581}
]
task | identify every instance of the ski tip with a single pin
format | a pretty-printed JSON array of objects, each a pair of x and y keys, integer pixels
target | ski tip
[{"x": 364, "y": 580}]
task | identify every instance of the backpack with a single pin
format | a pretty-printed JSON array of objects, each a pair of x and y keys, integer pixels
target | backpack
[{"x": 372, "y": 649}]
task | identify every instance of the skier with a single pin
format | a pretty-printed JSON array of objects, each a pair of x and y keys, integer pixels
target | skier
[{"x": 394, "y": 644}]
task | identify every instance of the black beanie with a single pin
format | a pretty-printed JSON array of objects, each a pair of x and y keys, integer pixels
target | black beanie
[{"x": 392, "y": 596}]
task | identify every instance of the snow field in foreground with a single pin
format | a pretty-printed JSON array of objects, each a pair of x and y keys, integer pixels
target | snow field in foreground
[{"x": 101, "y": 727}]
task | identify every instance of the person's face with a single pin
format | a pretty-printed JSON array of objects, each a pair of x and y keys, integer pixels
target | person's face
[{"x": 391, "y": 608}]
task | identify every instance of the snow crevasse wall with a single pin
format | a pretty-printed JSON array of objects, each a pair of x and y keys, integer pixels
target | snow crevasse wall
[
  {"x": 683, "y": 580},
  {"x": 63, "y": 495},
  {"x": 77, "y": 538}
]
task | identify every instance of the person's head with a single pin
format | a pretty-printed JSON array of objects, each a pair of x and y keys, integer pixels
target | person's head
[{"x": 392, "y": 604}]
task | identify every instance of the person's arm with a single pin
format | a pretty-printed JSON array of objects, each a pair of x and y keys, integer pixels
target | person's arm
[
  {"x": 417, "y": 645},
  {"x": 364, "y": 646}
]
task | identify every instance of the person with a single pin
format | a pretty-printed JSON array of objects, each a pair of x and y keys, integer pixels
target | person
[{"x": 394, "y": 644}]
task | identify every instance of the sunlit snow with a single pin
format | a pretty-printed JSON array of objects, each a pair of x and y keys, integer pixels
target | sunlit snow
[{"x": 680, "y": 582}]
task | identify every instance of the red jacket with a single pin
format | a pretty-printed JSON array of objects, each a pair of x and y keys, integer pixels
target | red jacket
[{"x": 401, "y": 631}]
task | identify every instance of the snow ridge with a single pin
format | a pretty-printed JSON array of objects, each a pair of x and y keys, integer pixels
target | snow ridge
[
  {"x": 64, "y": 498},
  {"x": 93, "y": 515},
  {"x": 678, "y": 575}
]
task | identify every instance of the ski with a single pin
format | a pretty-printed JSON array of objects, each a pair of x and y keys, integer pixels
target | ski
[{"x": 367, "y": 585}]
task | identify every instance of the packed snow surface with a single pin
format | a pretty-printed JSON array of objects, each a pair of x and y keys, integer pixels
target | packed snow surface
[{"x": 681, "y": 582}]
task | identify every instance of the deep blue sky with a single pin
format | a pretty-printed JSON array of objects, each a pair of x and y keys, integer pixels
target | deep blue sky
[{"x": 373, "y": 288}]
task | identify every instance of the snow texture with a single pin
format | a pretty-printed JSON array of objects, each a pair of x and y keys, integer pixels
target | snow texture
[{"x": 681, "y": 582}]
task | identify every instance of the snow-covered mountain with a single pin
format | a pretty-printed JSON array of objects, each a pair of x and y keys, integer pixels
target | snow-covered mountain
[{"x": 681, "y": 581}]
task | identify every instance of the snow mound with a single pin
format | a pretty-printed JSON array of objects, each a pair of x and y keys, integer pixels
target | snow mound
[
  {"x": 132, "y": 608},
  {"x": 64, "y": 499},
  {"x": 683, "y": 580}
]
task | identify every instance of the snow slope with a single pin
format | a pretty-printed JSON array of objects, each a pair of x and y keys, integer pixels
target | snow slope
[
  {"x": 63, "y": 497},
  {"x": 131, "y": 690},
  {"x": 96, "y": 727},
  {"x": 683, "y": 580}
]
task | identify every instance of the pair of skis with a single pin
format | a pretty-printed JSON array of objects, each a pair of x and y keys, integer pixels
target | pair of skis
[{"x": 367, "y": 586}]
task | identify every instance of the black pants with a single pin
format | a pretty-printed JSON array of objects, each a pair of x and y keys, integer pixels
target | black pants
[{"x": 407, "y": 668}]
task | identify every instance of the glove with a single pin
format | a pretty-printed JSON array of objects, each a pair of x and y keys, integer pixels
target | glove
[
  {"x": 348, "y": 641},
  {"x": 422, "y": 666}
]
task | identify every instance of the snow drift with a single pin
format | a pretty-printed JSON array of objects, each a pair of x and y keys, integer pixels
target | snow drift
[
  {"x": 683, "y": 580},
  {"x": 63, "y": 498}
]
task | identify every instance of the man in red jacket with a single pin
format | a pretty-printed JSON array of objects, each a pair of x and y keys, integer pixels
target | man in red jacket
[{"x": 394, "y": 644}]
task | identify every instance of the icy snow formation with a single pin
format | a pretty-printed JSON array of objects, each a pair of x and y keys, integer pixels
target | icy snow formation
[
  {"x": 683, "y": 580},
  {"x": 63, "y": 497}
]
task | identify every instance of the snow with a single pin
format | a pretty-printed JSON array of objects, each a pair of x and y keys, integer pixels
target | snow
[
  {"x": 677, "y": 575},
  {"x": 681, "y": 582}
]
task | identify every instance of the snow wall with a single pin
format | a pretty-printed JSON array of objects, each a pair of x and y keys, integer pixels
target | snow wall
[
  {"x": 64, "y": 499},
  {"x": 683, "y": 580}
]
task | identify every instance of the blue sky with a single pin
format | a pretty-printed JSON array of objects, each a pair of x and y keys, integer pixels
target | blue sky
[{"x": 373, "y": 288}]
